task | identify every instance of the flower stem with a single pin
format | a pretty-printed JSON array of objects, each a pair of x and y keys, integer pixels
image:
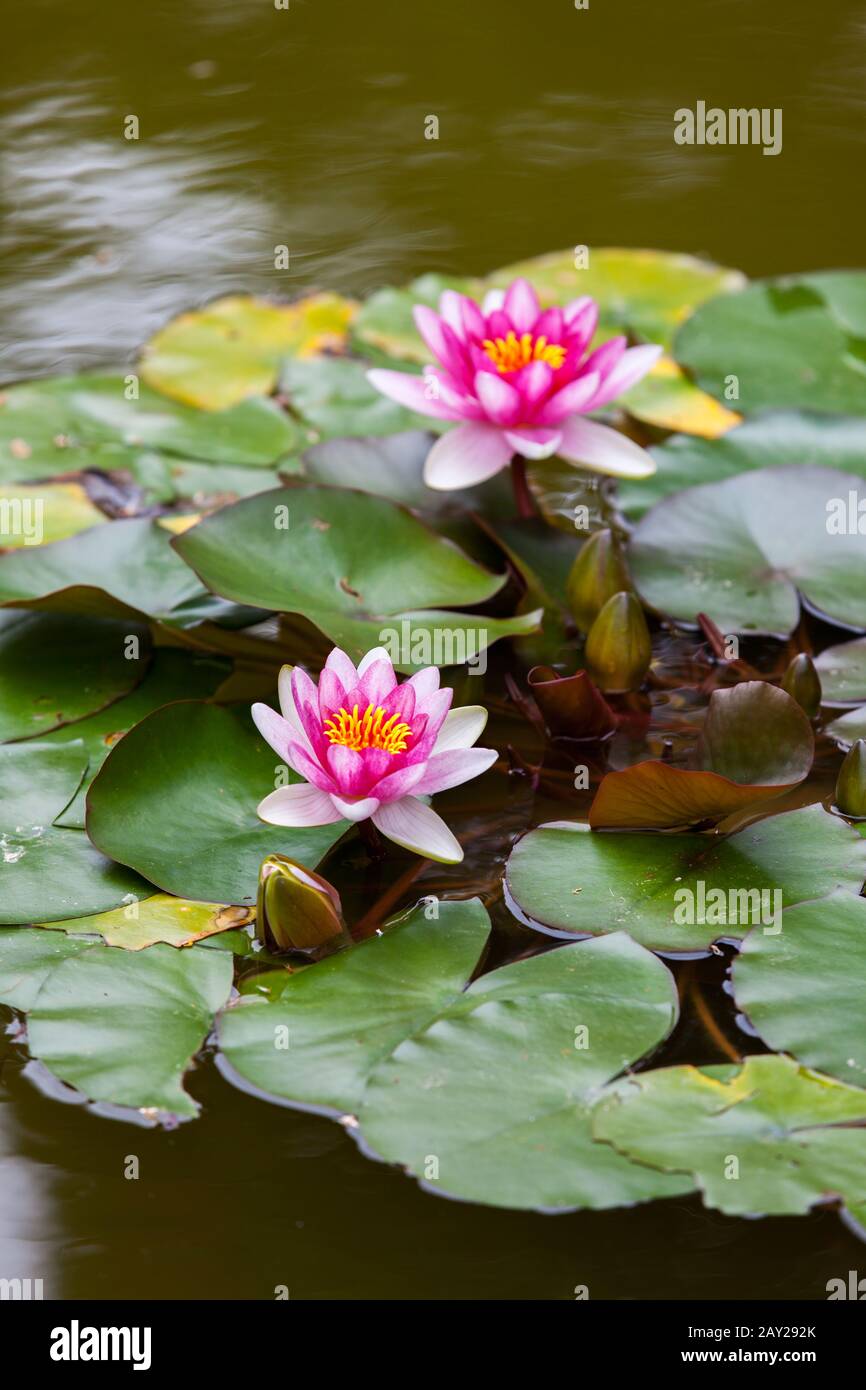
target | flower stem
[
  {"x": 372, "y": 840},
  {"x": 522, "y": 495}
]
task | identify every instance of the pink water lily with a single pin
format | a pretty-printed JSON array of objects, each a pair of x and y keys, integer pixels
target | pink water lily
[
  {"x": 520, "y": 379},
  {"x": 369, "y": 748}
]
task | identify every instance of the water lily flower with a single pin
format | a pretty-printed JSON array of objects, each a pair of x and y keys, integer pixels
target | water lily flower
[
  {"x": 369, "y": 748},
  {"x": 520, "y": 379}
]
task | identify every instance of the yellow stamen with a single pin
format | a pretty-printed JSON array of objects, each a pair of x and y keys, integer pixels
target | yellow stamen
[
  {"x": 368, "y": 730},
  {"x": 511, "y": 353}
]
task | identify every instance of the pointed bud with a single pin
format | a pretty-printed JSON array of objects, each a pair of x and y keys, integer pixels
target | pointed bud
[
  {"x": 298, "y": 910},
  {"x": 618, "y": 648},
  {"x": 597, "y": 574},
  {"x": 802, "y": 682},
  {"x": 851, "y": 782}
]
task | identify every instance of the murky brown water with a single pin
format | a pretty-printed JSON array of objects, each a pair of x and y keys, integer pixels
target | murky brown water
[{"x": 304, "y": 127}]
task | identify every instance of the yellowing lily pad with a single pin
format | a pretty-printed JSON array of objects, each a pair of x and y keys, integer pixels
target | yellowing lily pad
[
  {"x": 667, "y": 399},
  {"x": 217, "y": 356},
  {"x": 38, "y": 515},
  {"x": 174, "y": 921}
]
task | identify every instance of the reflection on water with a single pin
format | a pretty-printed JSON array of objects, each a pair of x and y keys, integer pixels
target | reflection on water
[{"x": 304, "y": 127}]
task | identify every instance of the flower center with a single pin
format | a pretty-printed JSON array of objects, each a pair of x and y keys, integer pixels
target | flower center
[
  {"x": 368, "y": 730},
  {"x": 511, "y": 353}
]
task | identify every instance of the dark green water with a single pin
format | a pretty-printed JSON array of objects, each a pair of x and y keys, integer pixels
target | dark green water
[{"x": 304, "y": 127}]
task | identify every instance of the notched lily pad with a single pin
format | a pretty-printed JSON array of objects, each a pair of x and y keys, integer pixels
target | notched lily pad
[{"x": 160, "y": 918}]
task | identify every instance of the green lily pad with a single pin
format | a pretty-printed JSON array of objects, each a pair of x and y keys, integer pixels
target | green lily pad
[
  {"x": 572, "y": 881},
  {"x": 160, "y": 918},
  {"x": 785, "y": 341},
  {"x": 125, "y": 569},
  {"x": 63, "y": 424},
  {"x": 843, "y": 673},
  {"x": 768, "y": 1138},
  {"x": 803, "y": 989},
  {"x": 333, "y": 396},
  {"x": 171, "y": 676},
  {"x": 354, "y": 564},
  {"x": 848, "y": 729},
  {"x": 38, "y": 515},
  {"x": 385, "y": 323},
  {"x": 176, "y": 799},
  {"x": 493, "y": 1081},
  {"x": 755, "y": 743},
  {"x": 667, "y": 399},
  {"x": 27, "y": 959},
  {"x": 123, "y": 1027},
  {"x": 778, "y": 439},
  {"x": 746, "y": 550},
  {"x": 60, "y": 669},
  {"x": 50, "y": 873},
  {"x": 218, "y": 356},
  {"x": 647, "y": 294},
  {"x": 163, "y": 478}
]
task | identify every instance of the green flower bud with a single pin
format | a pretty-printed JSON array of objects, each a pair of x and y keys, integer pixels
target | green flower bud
[
  {"x": 618, "y": 648},
  {"x": 851, "y": 782},
  {"x": 597, "y": 574},
  {"x": 298, "y": 910},
  {"x": 802, "y": 682}
]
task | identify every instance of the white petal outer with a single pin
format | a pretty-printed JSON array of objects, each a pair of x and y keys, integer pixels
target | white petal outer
[
  {"x": 375, "y": 654},
  {"x": 361, "y": 809},
  {"x": 297, "y": 805},
  {"x": 603, "y": 450},
  {"x": 494, "y": 299},
  {"x": 461, "y": 727},
  {"x": 414, "y": 826},
  {"x": 466, "y": 455},
  {"x": 454, "y": 768},
  {"x": 530, "y": 448}
]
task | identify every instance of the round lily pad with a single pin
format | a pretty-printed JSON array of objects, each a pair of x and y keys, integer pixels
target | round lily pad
[
  {"x": 572, "y": 881},
  {"x": 38, "y": 515},
  {"x": 842, "y": 670},
  {"x": 744, "y": 551},
  {"x": 176, "y": 799},
  {"x": 27, "y": 959}
]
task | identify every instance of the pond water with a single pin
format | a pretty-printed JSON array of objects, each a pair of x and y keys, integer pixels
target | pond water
[{"x": 304, "y": 127}]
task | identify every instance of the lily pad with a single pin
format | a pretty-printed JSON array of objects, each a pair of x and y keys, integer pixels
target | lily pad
[
  {"x": 647, "y": 294},
  {"x": 333, "y": 396},
  {"x": 218, "y": 356},
  {"x": 125, "y": 569},
  {"x": 122, "y": 1027},
  {"x": 848, "y": 729},
  {"x": 354, "y": 564},
  {"x": 160, "y": 918},
  {"x": 572, "y": 881},
  {"x": 489, "y": 1084},
  {"x": 756, "y": 742},
  {"x": 50, "y": 873},
  {"x": 667, "y": 399},
  {"x": 843, "y": 673},
  {"x": 38, "y": 515},
  {"x": 744, "y": 551},
  {"x": 767, "y": 1138},
  {"x": 171, "y": 676},
  {"x": 60, "y": 669},
  {"x": 777, "y": 439},
  {"x": 27, "y": 959},
  {"x": 176, "y": 799},
  {"x": 803, "y": 989},
  {"x": 63, "y": 424},
  {"x": 786, "y": 343},
  {"x": 385, "y": 321}
]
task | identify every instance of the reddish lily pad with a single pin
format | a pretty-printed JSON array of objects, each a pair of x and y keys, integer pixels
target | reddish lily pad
[{"x": 571, "y": 706}]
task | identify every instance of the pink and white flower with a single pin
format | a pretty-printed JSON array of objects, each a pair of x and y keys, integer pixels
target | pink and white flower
[
  {"x": 369, "y": 748},
  {"x": 520, "y": 379}
]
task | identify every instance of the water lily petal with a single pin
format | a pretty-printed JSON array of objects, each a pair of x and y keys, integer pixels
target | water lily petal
[
  {"x": 571, "y": 399},
  {"x": 473, "y": 319},
  {"x": 493, "y": 300},
  {"x": 534, "y": 381},
  {"x": 500, "y": 401},
  {"x": 309, "y": 767},
  {"x": 397, "y": 784},
  {"x": 424, "y": 682},
  {"x": 274, "y": 729},
  {"x": 451, "y": 310},
  {"x": 461, "y": 727},
  {"x": 297, "y": 805},
  {"x": 439, "y": 337},
  {"x": 416, "y": 827},
  {"x": 343, "y": 667},
  {"x": 466, "y": 455},
  {"x": 377, "y": 679},
  {"x": 360, "y": 809},
  {"x": 634, "y": 364},
  {"x": 534, "y": 443},
  {"x": 521, "y": 305},
  {"x": 605, "y": 357},
  {"x": 332, "y": 692},
  {"x": 602, "y": 450},
  {"x": 414, "y": 392},
  {"x": 349, "y": 770},
  {"x": 453, "y": 768},
  {"x": 581, "y": 322}
]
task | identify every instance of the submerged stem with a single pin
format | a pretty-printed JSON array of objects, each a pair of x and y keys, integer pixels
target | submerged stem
[{"x": 522, "y": 495}]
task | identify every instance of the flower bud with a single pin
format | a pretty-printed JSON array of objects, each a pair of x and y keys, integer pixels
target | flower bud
[
  {"x": 802, "y": 682},
  {"x": 298, "y": 910},
  {"x": 618, "y": 647},
  {"x": 597, "y": 574},
  {"x": 851, "y": 782}
]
